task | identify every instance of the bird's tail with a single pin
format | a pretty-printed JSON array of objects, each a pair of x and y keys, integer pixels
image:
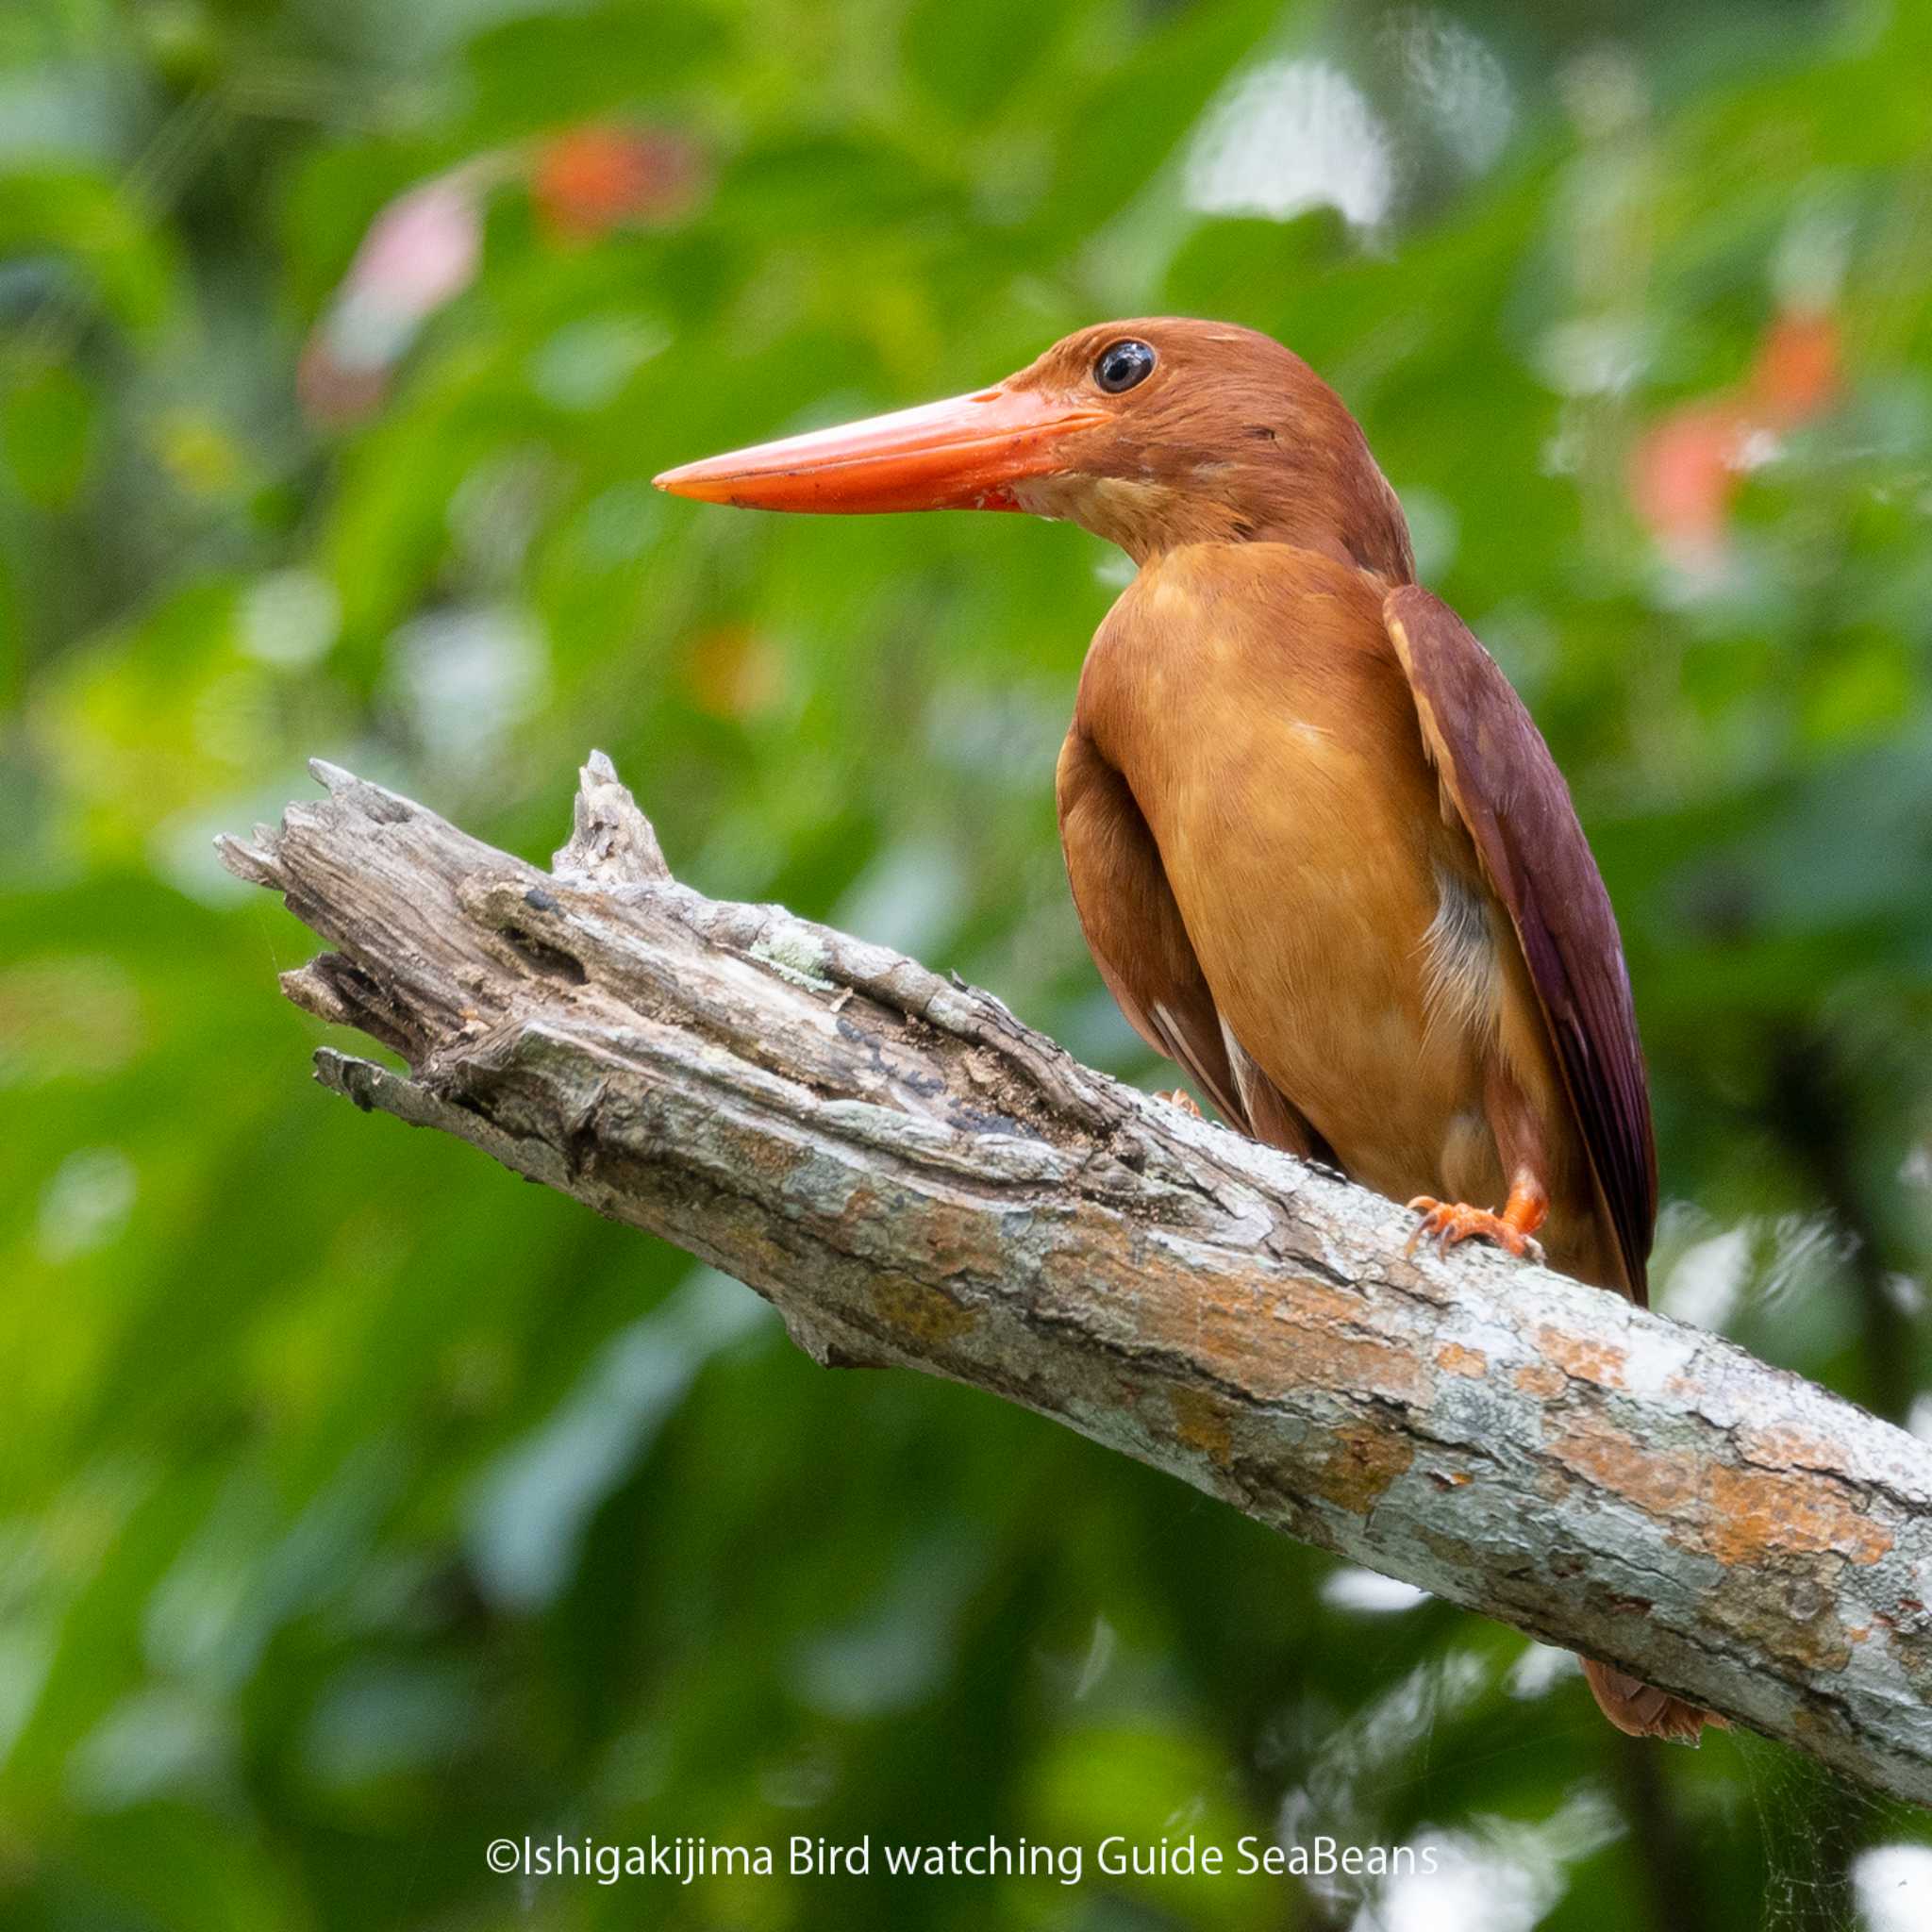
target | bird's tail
[{"x": 1635, "y": 1707}]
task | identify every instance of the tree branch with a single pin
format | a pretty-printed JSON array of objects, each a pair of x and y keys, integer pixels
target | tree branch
[{"x": 916, "y": 1179}]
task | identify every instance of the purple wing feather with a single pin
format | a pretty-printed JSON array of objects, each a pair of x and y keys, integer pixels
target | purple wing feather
[{"x": 1498, "y": 773}]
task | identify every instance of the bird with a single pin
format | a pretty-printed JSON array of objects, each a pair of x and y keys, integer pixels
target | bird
[{"x": 1318, "y": 850}]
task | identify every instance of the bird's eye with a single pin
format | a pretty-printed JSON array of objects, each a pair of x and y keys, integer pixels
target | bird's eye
[{"x": 1120, "y": 365}]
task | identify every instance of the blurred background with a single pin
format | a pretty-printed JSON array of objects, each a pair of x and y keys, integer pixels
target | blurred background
[{"x": 358, "y": 1506}]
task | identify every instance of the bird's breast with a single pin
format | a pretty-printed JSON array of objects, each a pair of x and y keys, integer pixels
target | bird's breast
[{"x": 1250, "y": 698}]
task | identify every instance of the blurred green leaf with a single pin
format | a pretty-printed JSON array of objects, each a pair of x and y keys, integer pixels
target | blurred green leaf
[{"x": 47, "y": 426}]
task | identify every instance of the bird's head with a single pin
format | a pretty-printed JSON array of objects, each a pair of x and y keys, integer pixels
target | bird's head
[{"x": 1150, "y": 433}]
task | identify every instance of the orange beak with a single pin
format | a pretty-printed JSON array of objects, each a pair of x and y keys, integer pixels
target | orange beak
[{"x": 965, "y": 452}]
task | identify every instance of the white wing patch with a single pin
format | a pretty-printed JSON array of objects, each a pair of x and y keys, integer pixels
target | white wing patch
[
  {"x": 1462, "y": 978},
  {"x": 1243, "y": 1068}
]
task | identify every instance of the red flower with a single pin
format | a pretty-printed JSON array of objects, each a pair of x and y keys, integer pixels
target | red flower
[{"x": 589, "y": 179}]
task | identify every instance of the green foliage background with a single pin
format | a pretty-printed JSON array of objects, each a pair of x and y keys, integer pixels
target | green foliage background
[{"x": 358, "y": 1506}]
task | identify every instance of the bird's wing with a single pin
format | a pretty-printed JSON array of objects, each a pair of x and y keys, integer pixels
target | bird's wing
[
  {"x": 1134, "y": 932},
  {"x": 1498, "y": 774}
]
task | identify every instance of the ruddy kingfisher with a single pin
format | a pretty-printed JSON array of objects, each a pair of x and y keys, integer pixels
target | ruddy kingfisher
[{"x": 1321, "y": 853}]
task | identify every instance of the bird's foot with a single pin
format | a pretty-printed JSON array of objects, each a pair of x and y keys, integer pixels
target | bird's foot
[
  {"x": 1446, "y": 1222},
  {"x": 1181, "y": 1098}
]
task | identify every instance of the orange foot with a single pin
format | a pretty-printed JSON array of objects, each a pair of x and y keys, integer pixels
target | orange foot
[
  {"x": 1181, "y": 1098},
  {"x": 1449, "y": 1222}
]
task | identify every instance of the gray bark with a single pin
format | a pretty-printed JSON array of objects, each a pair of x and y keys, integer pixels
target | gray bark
[{"x": 915, "y": 1179}]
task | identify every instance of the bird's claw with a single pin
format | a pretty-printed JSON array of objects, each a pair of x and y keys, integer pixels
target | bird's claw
[
  {"x": 1181, "y": 1098},
  {"x": 1446, "y": 1222}
]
